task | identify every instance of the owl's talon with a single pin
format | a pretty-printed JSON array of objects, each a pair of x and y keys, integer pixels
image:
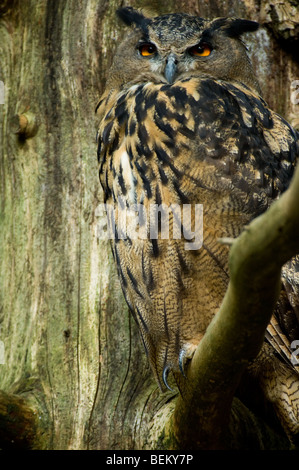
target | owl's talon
[{"x": 164, "y": 376}]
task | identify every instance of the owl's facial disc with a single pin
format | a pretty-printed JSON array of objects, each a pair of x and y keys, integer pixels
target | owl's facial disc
[{"x": 171, "y": 67}]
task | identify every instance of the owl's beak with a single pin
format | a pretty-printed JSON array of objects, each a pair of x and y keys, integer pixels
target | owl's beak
[{"x": 171, "y": 67}]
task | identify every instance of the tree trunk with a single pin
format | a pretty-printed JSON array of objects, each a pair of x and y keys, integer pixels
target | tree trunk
[{"x": 73, "y": 365}]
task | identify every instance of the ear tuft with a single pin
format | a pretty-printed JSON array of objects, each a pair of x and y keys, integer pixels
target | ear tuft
[
  {"x": 130, "y": 16},
  {"x": 239, "y": 26}
]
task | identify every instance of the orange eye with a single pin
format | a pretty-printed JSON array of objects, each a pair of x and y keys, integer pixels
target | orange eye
[
  {"x": 201, "y": 50},
  {"x": 147, "y": 49}
]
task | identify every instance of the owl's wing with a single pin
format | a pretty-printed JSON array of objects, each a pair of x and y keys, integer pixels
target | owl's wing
[{"x": 283, "y": 330}]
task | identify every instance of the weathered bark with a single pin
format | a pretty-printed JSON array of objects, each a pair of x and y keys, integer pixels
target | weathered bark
[{"x": 72, "y": 350}]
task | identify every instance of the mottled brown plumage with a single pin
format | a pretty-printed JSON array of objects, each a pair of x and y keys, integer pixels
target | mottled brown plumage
[{"x": 182, "y": 122}]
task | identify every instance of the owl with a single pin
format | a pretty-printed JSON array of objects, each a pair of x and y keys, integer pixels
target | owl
[{"x": 190, "y": 153}]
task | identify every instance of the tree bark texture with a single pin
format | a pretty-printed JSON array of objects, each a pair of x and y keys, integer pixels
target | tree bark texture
[{"x": 71, "y": 349}]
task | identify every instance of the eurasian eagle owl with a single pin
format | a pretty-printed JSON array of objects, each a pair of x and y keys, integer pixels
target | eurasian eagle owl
[{"x": 185, "y": 135}]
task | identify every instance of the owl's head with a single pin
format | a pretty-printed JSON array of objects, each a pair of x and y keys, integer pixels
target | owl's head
[{"x": 174, "y": 46}]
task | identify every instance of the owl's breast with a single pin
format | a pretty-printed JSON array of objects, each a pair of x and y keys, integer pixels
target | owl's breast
[{"x": 166, "y": 148}]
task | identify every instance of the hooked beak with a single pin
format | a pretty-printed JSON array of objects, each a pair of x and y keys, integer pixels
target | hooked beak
[{"x": 171, "y": 67}]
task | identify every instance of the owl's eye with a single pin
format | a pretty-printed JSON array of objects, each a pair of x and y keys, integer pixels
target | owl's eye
[
  {"x": 147, "y": 49},
  {"x": 200, "y": 50}
]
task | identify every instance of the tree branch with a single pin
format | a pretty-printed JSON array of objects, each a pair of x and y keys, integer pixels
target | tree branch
[{"x": 236, "y": 334}]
